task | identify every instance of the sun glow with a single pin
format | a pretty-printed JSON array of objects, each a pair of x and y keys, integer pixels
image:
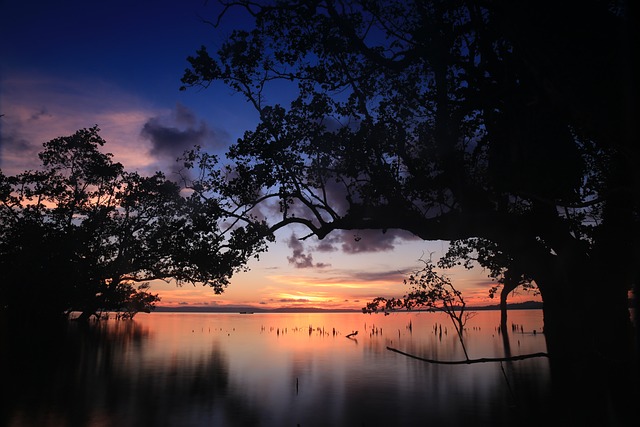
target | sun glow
[
  {"x": 350, "y": 283},
  {"x": 304, "y": 297}
]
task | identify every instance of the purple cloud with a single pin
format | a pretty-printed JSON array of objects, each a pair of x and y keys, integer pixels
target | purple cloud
[
  {"x": 298, "y": 258},
  {"x": 372, "y": 240},
  {"x": 171, "y": 136}
]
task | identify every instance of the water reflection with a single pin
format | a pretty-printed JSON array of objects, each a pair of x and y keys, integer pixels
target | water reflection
[
  {"x": 103, "y": 375},
  {"x": 272, "y": 370}
]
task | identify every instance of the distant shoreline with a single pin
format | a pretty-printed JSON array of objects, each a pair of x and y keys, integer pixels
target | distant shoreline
[{"x": 528, "y": 305}]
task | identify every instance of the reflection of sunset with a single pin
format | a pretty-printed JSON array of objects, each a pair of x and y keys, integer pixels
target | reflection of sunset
[{"x": 308, "y": 333}]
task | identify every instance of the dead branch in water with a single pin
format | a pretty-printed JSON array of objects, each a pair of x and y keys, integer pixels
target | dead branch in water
[{"x": 470, "y": 361}]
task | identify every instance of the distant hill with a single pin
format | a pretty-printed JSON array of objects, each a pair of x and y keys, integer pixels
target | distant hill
[
  {"x": 529, "y": 305},
  {"x": 206, "y": 309},
  {"x": 248, "y": 310}
]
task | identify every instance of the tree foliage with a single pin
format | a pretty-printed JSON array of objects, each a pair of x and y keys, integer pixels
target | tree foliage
[
  {"x": 501, "y": 267},
  {"x": 448, "y": 120},
  {"x": 83, "y": 234},
  {"x": 508, "y": 122},
  {"x": 421, "y": 116},
  {"x": 431, "y": 291}
]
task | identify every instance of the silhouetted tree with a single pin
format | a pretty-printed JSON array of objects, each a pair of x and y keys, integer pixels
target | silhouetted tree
[
  {"x": 501, "y": 267},
  {"x": 83, "y": 234},
  {"x": 431, "y": 291},
  {"x": 512, "y": 122}
]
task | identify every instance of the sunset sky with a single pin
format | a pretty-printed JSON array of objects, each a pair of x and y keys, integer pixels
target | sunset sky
[{"x": 72, "y": 64}]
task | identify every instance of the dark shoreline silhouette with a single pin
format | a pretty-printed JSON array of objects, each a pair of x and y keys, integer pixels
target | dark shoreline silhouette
[{"x": 528, "y": 305}]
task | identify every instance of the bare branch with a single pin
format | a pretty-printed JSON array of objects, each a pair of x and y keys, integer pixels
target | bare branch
[{"x": 470, "y": 361}]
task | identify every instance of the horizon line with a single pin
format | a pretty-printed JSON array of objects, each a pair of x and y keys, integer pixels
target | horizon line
[{"x": 251, "y": 310}]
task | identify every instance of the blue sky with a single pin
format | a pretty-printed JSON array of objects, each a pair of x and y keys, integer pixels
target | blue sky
[{"x": 71, "y": 64}]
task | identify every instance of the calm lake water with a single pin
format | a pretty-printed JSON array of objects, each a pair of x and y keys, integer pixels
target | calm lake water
[{"x": 215, "y": 369}]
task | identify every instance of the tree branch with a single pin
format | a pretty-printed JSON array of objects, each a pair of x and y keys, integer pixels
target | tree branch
[{"x": 470, "y": 361}]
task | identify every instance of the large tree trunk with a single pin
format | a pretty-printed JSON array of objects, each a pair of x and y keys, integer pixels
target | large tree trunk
[
  {"x": 85, "y": 315},
  {"x": 592, "y": 353},
  {"x": 504, "y": 293}
]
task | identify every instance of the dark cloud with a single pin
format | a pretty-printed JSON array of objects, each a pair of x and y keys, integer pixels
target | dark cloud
[
  {"x": 371, "y": 240},
  {"x": 350, "y": 242},
  {"x": 170, "y": 140},
  {"x": 335, "y": 194},
  {"x": 383, "y": 276},
  {"x": 367, "y": 276},
  {"x": 171, "y": 136},
  {"x": 17, "y": 152},
  {"x": 361, "y": 241},
  {"x": 42, "y": 112},
  {"x": 19, "y": 146},
  {"x": 298, "y": 258},
  {"x": 294, "y": 300},
  {"x": 328, "y": 244}
]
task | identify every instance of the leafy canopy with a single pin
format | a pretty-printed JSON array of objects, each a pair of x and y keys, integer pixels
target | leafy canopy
[
  {"x": 510, "y": 122},
  {"x": 82, "y": 233},
  {"x": 434, "y": 117}
]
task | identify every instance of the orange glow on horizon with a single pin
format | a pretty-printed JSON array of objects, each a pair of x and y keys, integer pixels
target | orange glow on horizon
[
  {"x": 342, "y": 287},
  {"x": 328, "y": 297}
]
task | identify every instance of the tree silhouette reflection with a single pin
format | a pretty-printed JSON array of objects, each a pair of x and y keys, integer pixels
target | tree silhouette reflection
[
  {"x": 232, "y": 370},
  {"x": 83, "y": 375}
]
